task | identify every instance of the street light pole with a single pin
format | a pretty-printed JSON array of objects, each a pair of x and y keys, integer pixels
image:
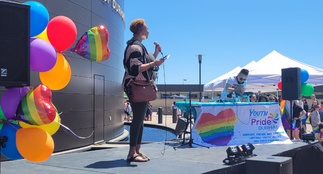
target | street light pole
[{"x": 200, "y": 62}]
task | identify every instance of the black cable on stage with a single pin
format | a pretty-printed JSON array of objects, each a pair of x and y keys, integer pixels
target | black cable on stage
[{"x": 163, "y": 150}]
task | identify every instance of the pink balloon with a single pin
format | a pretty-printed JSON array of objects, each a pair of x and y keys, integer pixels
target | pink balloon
[
  {"x": 11, "y": 99},
  {"x": 42, "y": 55}
]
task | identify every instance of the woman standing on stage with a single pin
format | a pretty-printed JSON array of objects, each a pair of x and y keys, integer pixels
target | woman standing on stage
[{"x": 139, "y": 65}]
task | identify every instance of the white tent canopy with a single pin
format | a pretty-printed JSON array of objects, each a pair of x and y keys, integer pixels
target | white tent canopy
[
  {"x": 266, "y": 73},
  {"x": 218, "y": 83}
]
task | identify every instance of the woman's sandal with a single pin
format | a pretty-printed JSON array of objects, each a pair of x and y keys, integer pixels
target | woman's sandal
[
  {"x": 144, "y": 156},
  {"x": 134, "y": 158}
]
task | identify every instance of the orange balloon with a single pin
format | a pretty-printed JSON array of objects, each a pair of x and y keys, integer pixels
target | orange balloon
[
  {"x": 59, "y": 76},
  {"x": 34, "y": 144}
]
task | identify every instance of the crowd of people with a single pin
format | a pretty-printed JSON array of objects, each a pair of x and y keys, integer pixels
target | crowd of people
[
  {"x": 263, "y": 98},
  {"x": 302, "y": 113}
]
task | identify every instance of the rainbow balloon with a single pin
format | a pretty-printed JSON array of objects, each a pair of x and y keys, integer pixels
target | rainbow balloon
[
  {"x": 93, "y": 45},
  {"x": 217, "y": 130},
  {"x": 36, "y": 106}
]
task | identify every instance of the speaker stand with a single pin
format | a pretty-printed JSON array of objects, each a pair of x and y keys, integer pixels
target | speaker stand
[
  {"x": 189, "y": 121},
  {"x": 291, "y": 119}
]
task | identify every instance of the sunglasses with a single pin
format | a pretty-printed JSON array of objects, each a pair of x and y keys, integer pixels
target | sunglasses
[
  {"x": 242, "y": 79},
  {"x": 271, "y": 99}
]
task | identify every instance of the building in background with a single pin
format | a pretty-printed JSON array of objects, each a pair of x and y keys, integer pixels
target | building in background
[{"x": 93, "y": 99}]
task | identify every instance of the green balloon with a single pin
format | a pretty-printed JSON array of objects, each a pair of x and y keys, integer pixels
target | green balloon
[
  {"x": 307, "y": 89},
  {"x": 2, "y": 117}
]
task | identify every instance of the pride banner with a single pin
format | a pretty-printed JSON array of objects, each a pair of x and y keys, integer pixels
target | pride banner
[{"x": 238, "y": 123}]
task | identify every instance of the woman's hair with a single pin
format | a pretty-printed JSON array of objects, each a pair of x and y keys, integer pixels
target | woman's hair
[
  {"x": 136, "y": 25},
  {"x": 263, "y": 96},
  {"x": 274, "y": 97}
]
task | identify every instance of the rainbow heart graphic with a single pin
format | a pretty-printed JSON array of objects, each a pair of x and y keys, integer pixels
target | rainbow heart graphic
[
  {"x": 36, "y": 106},
  {"x": 217, "y": 130}
]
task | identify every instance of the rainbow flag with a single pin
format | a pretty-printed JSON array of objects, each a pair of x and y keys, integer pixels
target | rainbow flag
[
  {"x": 285, "y": 108},
  {"x": 93, "y": 45},
  {"x": 36, "y": 106},
  {"x": 217, "y": 130}
]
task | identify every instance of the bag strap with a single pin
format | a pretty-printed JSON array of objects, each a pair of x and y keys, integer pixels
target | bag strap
[{"x": 145, "y": 60}]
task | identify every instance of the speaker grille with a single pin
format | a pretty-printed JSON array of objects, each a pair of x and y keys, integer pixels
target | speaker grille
[{"x": 14, "y": 44}]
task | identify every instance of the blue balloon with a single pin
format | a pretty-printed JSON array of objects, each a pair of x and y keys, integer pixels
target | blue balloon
[
  {"x": 39, "y": 17},
  {"x": 304, "y": 75},
  {"x": 10, "y": 151}
]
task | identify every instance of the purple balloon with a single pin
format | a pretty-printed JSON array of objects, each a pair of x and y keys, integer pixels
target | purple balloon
[
  {"x": 10, "y": 101},
  {"x": 42, "y": 55}
]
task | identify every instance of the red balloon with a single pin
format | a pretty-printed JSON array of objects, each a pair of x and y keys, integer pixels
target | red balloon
[
  {"x": 61, "y": 32},
  {"x": 279, "y": 85}
]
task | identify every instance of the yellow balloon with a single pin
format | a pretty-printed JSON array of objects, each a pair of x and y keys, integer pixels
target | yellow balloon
[
  {"x": 50, "y": 128},
  {"x": 43, "y": 35},
  {"x": 59, "y": 76}
]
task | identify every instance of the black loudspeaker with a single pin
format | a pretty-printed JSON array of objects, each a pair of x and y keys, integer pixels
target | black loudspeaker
[
  {"x": 181, "y": 126},
  {"x": 14, "y": 44},
  {"x": 291, "y": 84},
  {"x": 269, "y": 165}
]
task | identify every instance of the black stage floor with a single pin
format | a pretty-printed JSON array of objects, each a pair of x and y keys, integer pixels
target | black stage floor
[{"x": 164, "y": 159}]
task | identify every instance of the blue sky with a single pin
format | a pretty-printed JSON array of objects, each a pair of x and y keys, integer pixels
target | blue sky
[{"x": 229, "y": 33}]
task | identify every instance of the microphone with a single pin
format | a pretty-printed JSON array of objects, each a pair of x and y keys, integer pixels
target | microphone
[{"x": 156, "y": 43}]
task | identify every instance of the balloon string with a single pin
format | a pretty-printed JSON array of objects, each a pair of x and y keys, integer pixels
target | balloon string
[
  {"x": 6, "y": 122},
  {"x": 69, "y": 131},
  {"x": 65, "y": 55}
]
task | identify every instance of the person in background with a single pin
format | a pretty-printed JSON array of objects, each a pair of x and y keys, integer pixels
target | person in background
[
  {"x": 263, "y": 98},
  {"x": 174, "y": 107},
  {"x": 315, "y": 102},
  {"x": 305, "y": 107},
  {"x": 147, "y": 114},
  {"x": 313, "y": 98},
  {"x": 139, "y": 64},
  {"x": 273, "y": 98},
  {"x": 150, "y": 107},
  {"x": 315, "y": 117},
  {"x": 128, "y": 110},
  {"x": 321, "y": 108},
  {"x": 298, "y": 113},
  {"x": 318, "y": 132},
  {"x": 179, "y": 113},
  {"x": 253, "y": 98},
  {"x": 125, "y": 110}
]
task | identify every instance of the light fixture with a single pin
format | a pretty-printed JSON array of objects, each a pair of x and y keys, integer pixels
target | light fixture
[
  {"x": 232, "y": 152},
  {"x": 237, "y": 154},
  {"x": 248, "y": 149}
]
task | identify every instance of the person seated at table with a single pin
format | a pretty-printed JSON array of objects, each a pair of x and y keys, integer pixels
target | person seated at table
[{"x": 235, "y": 84}]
